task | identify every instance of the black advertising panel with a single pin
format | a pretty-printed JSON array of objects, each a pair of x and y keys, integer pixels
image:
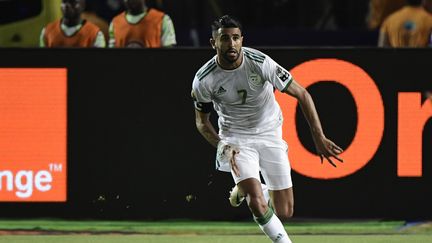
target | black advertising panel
[{"x": 133, "y": 150}]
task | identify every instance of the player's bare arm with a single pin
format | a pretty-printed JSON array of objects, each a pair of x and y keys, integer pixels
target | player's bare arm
[
  {"x": 204, "y": 126},
  {"x": 325, "y": 147}
]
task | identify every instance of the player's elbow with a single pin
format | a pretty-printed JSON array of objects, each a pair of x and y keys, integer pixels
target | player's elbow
[{"x": 303, "y": 95}]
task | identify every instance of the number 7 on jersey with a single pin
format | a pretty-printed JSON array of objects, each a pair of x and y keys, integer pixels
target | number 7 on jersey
[{"x": 243, "y": 94}]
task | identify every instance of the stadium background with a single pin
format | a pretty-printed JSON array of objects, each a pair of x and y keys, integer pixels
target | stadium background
[
  {"x": 266, "y": 23},
  {"x": 134, "y": 152}
]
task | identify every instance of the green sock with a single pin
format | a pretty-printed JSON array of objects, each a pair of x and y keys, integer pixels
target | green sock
[{"x": 262, "y": 220}]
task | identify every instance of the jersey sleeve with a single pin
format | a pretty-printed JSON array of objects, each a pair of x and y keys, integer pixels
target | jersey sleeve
[
  {"x": 278, "y": 76},
  {"x": 42, "y": 38},
  {"x": 201, "y": 96}
]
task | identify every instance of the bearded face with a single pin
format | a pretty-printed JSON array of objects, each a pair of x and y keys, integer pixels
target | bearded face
[{"x": 228, "y": 43}]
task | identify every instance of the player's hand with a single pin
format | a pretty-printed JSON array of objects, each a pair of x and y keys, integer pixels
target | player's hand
[
  {"x": 226, "y": 154},
  {"x": 232, "y": 152},
  {"x": 328, "y": 150}
]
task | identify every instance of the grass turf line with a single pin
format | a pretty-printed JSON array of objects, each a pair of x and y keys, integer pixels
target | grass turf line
[
  {"x": 215, "y": 239},
  {"x": 207, "y": 228}
]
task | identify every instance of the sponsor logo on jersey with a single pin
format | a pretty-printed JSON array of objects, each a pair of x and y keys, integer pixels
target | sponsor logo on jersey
[
  {"x": 282, "y": 74},
  {"x": 221, "y": 90}
]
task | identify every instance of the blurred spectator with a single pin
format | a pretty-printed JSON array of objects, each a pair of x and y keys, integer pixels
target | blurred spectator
[
  {"x": 140, "y": 26},
  {"x": 410, "y": 26},
  {"x": 72, "y": 30},
  {"x": 91, "y": 15},
  {"x": 380, "y": 10},
  {"x": 428, "y": 5}
]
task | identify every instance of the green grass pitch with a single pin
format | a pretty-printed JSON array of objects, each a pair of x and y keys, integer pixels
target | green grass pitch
[{"x": 47, "y": 231}]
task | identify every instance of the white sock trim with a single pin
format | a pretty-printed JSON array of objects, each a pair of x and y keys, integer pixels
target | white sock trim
[{"x": 275, "y": 230}]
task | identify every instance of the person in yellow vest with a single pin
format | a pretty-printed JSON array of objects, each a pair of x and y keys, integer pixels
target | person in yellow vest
[
  {"x": 410, "y": 26},
  {"x": 72, "y": 30},
  {"x": 91, "y": 15},
  {"x": 141, "y": 27}
]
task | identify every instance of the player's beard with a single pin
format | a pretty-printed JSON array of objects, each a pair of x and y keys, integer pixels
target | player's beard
[{"x": 228, "y": 58}]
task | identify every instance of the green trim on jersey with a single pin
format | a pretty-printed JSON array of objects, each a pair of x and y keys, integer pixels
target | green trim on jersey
[
  {"x": 254, "y": 56},
  {"x": 206, "y": 70},
  {"x": 258, "y": 55}
]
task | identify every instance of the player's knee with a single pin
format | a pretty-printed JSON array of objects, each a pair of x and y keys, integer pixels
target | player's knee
[
  {"x": 285, "y": 214},
  {"x": 257, "y": 205}
]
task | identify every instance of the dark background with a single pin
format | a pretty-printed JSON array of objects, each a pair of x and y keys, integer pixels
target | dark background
[
  {"x": 134, "y": 151},
  {"x": 266, "y": 22}
]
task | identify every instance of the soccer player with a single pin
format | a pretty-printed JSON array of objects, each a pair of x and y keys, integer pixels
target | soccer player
[
  {"x": 239, "y": 83},
  {"x": 141, "y": 27},
  {"x": 72, "y": 30}
]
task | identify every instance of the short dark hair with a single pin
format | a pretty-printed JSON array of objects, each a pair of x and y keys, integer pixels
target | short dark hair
[
  {"x": 226, "y": 21},
  {"x": 415, "y": 2}
]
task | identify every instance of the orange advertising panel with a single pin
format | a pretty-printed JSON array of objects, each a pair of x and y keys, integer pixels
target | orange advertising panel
[
  {"x": 33, "y": 131},
  {"x": 413, "y": 115},
  {"x": 370, "y": 113}
]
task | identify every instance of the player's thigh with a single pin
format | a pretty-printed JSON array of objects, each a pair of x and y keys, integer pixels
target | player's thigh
[
  {"x": 247, "y": 161},
  {"x": 275, "y": 167}
]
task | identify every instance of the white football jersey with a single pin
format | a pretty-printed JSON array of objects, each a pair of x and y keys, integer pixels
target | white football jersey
[{"x": 244, "y": 97}]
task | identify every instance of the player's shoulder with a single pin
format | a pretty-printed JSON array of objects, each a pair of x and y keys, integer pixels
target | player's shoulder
[
  {"x": 254, "y": 55},
  {"x": 206, "y": 69}
]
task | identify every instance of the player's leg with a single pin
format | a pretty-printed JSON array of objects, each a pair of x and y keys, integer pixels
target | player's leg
[
  {"x": 276, "y": 171},
  {"x": 251, "y": 187},
  {"x": 237, "y": 196},
  {"x": 268, "y": 222},
  {"x": 249, "y": 183},
  {"x": 283, "y": 203}
]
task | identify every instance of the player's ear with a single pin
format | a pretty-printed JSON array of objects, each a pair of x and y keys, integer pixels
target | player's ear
[{"x": 212, "y": 43}]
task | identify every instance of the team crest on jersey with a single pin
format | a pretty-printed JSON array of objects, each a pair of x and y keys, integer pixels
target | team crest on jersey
[
  {"x": 254, "y": 79},
  {"x": 282, "y": 74}
]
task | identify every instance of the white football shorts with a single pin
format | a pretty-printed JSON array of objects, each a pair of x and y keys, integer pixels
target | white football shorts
[{"x": 266, "y": 152}]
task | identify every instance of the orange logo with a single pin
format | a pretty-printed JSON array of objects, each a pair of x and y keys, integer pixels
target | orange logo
[
  {"x": 412, "y": 117},
  {"x": 33, "y": 118}
]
